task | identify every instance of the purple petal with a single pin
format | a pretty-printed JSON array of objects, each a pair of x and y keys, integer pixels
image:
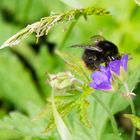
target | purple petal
[
  {"x": 99, "y": 77},
  {"x": 105, "y": 86},
  {"x": 93, "y": 85},
  {"x": 102, "y": 86},
  {"x": 100, "y": 81},
  {"x": 115, "y": 66},
  {"x": 106, "y": 70},
  {"x": 124, "y": 61}
]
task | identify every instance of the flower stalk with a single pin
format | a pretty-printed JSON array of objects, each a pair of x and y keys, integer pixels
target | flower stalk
[
  {"x": 111, "y": 116},
  {"x": 61, "y": 126},
  {"x": 129, "y": 94},
  {"x": 43, "y": 26},
  {"x": 103, "y": 80}
]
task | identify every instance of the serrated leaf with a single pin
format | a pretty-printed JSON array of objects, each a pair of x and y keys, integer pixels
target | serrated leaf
[
  {"x": 23, "y": 125},
  {"x": 82, "y": 112},
  {"x": 64, "y": 108}
]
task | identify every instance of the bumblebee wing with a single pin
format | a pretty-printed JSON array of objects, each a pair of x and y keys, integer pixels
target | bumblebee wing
[
  {"x": 94, "y": 48},
  {"x": 97, "y": 38},
  {"x": 89, "y": 47}
]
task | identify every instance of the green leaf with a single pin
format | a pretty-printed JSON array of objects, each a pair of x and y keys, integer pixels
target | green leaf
[
  {"x": 111, "y": 137},
  {"x": 43, "y": 63},
  {"x": 6, "y": 134},
  {"x": 23, "y": 125},
  {"x": 98, "y": 116},
  {"x": 16, "y": 83},
  {"x": 65, "y": 104},
  {"x": 61, "y": 126},
  {"x": 82, "y": 112}
]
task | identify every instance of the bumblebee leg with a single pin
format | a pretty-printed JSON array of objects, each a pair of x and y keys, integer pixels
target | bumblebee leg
[{"x": 96, "y": 66}]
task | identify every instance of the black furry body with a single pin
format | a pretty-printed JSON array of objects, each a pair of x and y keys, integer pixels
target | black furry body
[{"x": 101, "y": 52}]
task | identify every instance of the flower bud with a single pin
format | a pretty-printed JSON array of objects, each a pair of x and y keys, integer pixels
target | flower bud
[{"x": 62, "y": 80}]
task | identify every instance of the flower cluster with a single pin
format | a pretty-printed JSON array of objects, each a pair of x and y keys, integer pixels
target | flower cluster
[{"x": 102, "y": 80}]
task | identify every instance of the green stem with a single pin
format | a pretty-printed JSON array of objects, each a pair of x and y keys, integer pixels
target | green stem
[
  {"x": 132, "y": 108},
  {"x": 112, "y": 119},
  {"x": 133, "y": 112},
  {"x": 60, "y": 125},
  {"x": 67, "y": 34}
]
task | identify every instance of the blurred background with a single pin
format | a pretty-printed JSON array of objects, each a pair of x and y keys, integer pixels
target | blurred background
[{"x": 23, "y": 68}]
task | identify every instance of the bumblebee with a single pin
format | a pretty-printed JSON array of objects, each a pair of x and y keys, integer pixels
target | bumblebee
[{"x": 100, "y": 51}]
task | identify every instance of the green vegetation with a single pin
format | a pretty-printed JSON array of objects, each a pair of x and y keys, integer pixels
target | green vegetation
[{"x": 44, "y": 85}]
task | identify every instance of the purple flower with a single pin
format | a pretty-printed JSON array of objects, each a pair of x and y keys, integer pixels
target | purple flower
[
  {"x": 105, "y": 70},
  {"x": 124, "y": 61},
  {"x": 116, "y": 65},
  {"x": 102, "y": 80}
]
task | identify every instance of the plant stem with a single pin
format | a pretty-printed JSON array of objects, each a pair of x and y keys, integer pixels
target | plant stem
[
  {"x": 60, "y": 125},
  {"x": 67, "y": 34},
  {"x": 132, "y": 108},
  {"x": 112, "y": 119},
  {"x": 133, "y": 112}
]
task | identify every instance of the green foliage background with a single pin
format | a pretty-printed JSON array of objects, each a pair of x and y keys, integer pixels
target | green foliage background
[{"x": 23, "y": 68}]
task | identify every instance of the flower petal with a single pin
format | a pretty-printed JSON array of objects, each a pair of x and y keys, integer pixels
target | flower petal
[
  {"x": 124, "y": 61},
  {"x": 103, "y": 86},
  {"x": 98, "y": 77},
  {"x": 115, "y": 66},
  {"x": 106, "y": 70},
  {"x": 101, "y": 80},
  {"x": 93, "y": 85}
]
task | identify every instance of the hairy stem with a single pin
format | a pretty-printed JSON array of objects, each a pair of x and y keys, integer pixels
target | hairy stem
[
  {"x": 112, "y": 119},
  {"x": 67, "y": 34},
  {"x": 132, "y": 108},
  {"x": 60, "y": 125}
]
